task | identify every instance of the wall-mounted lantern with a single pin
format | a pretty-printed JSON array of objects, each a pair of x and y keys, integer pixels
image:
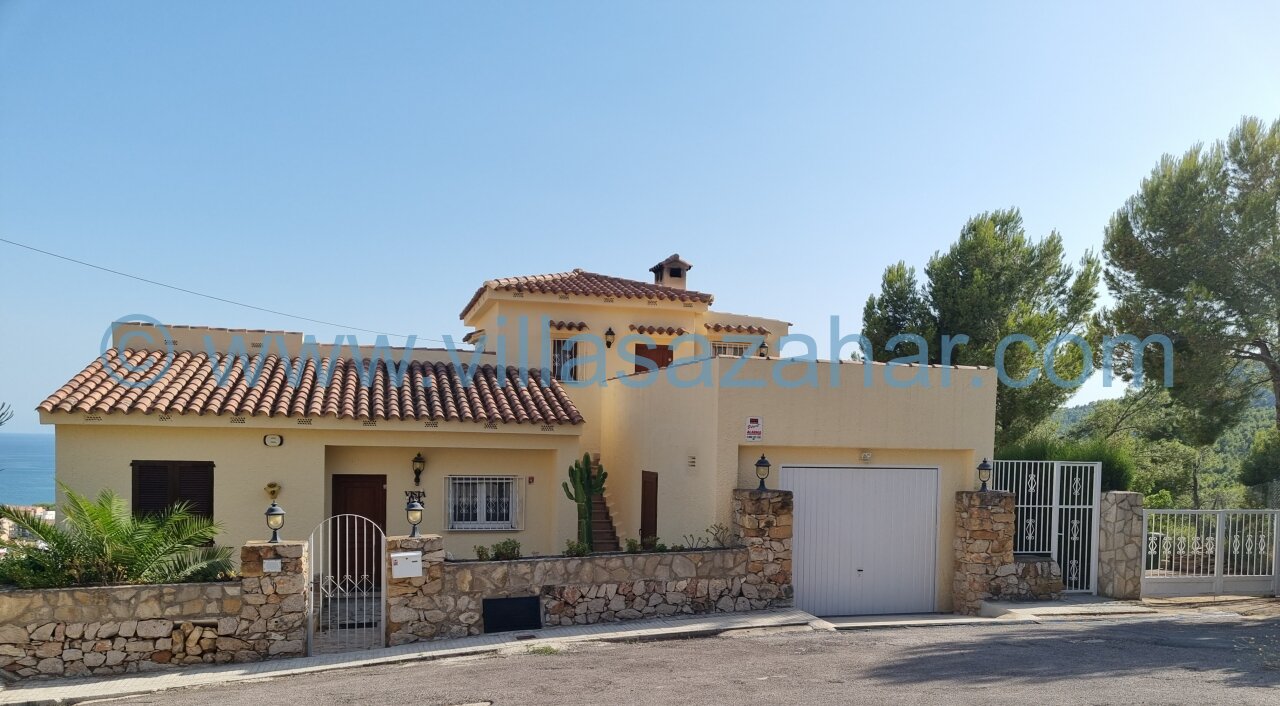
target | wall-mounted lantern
[
  {"x": 419, "y": 465},
  {"x": 764, "y": 349},
  {"x": 609, "y": 336},
  {"x": 275, "y": 520},
  {"x": 413, "y": 513},
  {"x": 762, "y": 471},
  {"x": 984, "y": 473}
]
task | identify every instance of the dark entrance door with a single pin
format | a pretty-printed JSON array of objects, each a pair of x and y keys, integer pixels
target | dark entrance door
[
  {"x": 356, "y": 549},
  {"x": 648, "y": 505},
  {"x": 660, "y": 355}
]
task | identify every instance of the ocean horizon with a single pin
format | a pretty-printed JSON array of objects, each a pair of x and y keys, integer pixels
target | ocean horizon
[{"x": 26, "y": 468}]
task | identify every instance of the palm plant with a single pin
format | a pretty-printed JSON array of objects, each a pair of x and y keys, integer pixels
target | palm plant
[
  {"x": 6, "y": 413},
  {"x": 101, "y": 542}
]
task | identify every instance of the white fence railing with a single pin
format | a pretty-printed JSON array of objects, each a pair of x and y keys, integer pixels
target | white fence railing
[{"x": 1210, "y": 552}]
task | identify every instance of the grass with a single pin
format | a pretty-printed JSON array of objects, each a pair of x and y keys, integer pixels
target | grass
[{"x": 541, "y": 650}]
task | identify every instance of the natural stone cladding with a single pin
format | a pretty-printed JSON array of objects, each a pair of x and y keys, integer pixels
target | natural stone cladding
[
  {"x": 1120, "y": 545},
  {"x": 985, "y": 566},
  {"x": 273, "y": 612},
  {"x": 448, "y": 599},
  {"x": 79, "y": 632}
]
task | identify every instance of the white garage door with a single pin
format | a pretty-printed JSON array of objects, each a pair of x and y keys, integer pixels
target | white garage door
[{"x": 865, "y": 539}]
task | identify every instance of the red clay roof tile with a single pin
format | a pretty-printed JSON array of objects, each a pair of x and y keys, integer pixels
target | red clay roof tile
[{"x": 587, "y": 284}]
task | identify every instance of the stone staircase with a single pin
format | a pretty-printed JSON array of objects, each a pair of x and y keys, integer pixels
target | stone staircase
[{"x": 603, "y": 533}]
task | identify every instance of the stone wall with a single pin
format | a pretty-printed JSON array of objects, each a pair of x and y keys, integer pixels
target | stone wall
[
  {"x": 448, "y": 599},
  {"x": 109, "y": 630},
  {"x": 273, "y": 611},
  {"x": 1120, "y": 545},
  {"x": 985, "y": 566},
  {"x": 115, "y": 629}
]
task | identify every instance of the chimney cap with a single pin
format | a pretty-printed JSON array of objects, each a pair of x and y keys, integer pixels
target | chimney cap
[{"x": 673, "y": 261}]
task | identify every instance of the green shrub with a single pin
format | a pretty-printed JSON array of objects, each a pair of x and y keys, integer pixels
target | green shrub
[
  {"x": 1117, "y": 463},
  {"x": 633, "y": 546},
  {"x": 575, "y": 548},
  {"x": 101, "y": 542},
  {"x": 482, "y": 552},
  {"x": 506, "y": 550},
  {"x": 658, "y": 546},
  {"x": 720, "y": 534},
  {"x": 1159, "y": 500}
]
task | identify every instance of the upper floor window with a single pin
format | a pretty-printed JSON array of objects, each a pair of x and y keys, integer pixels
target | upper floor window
[
  {"x": 719, "y": 348},
  {"x": 564, "y": 351},
  {"x": 158, "y": 485}
]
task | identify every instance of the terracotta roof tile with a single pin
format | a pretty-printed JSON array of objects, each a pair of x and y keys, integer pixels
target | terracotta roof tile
[
  {"x": 568, "y": 325},
  {"x": 587, "y": 284},
  {"x": 189, "y": 386},
  {"x": 658, "y": 330},
  {"x": 737, "y": 328}
]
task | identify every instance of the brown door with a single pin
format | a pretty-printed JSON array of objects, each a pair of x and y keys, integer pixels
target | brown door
[
  {"x": 660, "y": 355},
  {"x": 648, "y": 506},
  {"x": 355, "y": 548}
]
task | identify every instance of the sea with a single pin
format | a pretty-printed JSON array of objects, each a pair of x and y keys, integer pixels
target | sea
[{"x": 26, "y": 468}]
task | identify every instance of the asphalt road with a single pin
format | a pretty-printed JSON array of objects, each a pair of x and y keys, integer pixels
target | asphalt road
[{"x": 1195, "y": 659}]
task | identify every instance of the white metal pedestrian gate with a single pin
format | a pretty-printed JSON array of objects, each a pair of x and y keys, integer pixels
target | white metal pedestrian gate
[
  {"x": 865, "y": 539},
  {"x": 1057, "y": 511},
  {"x": 1210, "y": 552},
  {"x": 349, "y": 586}
]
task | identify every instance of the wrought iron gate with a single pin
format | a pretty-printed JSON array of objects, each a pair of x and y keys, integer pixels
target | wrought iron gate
[
  {"x": 349, "y": 585},
  {"x": 1057, "y": 514},
  {"x": 1210, "y": 552}
]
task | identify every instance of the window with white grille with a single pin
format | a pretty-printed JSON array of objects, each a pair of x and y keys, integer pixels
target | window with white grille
[
  {"x": 719, "y": 348},
  {"x": 563, "y": 351},
  {"x": 483, "y": 503}
]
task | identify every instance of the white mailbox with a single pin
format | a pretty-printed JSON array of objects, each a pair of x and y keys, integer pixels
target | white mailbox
[{"x": 406, "y": 565}]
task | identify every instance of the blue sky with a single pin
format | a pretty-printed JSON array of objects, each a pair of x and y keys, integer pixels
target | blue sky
[{"x": 371, "y": 164}]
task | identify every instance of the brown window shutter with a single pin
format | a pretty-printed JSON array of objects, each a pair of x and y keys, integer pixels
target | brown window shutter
[
  {"x": 195, "y": 487},
  {"x": 151, "y": 492}
]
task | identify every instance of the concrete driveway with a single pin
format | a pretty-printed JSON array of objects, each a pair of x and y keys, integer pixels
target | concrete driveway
[{"x": 1206, "y": 658}]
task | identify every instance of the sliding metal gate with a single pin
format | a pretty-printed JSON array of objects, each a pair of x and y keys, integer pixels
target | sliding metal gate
[
  {"x": 1057, "y": 514},
  {"x": 347, "y": 600},
  {"x": 1210, "y": 552}
]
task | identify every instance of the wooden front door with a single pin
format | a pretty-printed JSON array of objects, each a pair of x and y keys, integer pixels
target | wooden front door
[
  {"x": 660, "y": 355},
  {"x": 356, "y": 549},
  {"x": 648, "y": 506}
]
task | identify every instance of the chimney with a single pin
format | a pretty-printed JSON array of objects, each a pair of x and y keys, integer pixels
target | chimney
[{"x": 672, "y": 272}]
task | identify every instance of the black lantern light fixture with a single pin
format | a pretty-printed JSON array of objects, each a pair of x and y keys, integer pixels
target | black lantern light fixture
[
  {"x": 609, "y": 335},
  {"x": 413, "y": 513},
  {"x": 762, "y": 471},
  {"x": 275, "y": 520},
  {"x": 764, "y": 349},
  {"x": 984, "y": 473},
  {"x": 419, "y": 465}
]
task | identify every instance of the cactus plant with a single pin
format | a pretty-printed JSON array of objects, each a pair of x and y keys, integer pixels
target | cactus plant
[{"x": 584, "y": 487}]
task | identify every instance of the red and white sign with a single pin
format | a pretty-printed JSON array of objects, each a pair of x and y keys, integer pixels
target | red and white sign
[{"x": 755, "y": 429}]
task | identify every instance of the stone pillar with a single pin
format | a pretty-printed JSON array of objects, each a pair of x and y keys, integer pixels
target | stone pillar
[
  {"x": 1120, "y": 545},
  {"x": 984, "y": 566},
  {"x": 762, "y": 522},
  {"x": 412, "y": 612},
  {"x": 273, "y": 602}
]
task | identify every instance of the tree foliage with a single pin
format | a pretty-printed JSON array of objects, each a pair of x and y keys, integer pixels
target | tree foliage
[
  {"x": 994, "y": 281},
  {"x": 1195, "y": 255},
  {"x": 6, "y": 413},
  {"x": 101, "y": 542}
]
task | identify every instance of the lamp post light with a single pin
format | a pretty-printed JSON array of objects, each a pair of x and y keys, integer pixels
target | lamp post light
[
  {"x": 419, "y": 465},
  {"x": 413, "y": 513},
  {"x": 275, "y": 520},
  {"x": 609, "y": 336},
  {"x": 762, "y": 471},
  {"x": 984, "y": 474}
]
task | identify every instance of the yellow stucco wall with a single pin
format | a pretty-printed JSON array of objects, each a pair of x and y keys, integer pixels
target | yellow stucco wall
[{"x": 96, "y": 455}]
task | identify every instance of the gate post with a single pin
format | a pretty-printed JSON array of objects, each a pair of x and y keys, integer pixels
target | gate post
[
  {"x": 273, "y": 599},
  {"x": 1120, "y": 545},
  {"x": 1219, "y": 549}
]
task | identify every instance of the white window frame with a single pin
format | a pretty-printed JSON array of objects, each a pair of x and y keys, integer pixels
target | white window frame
[
  {"x": 456, "y": 485},
  {"x": 559, "y": 348},
  {"x": 735, "y": 349}
]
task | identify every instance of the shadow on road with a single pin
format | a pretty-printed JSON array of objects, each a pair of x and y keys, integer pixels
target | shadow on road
[{"x": 1242, "y": 654}]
